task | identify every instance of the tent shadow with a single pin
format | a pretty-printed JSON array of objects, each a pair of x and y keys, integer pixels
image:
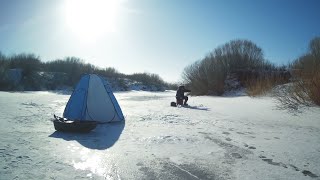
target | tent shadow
[{"x": 102, "y": 137}]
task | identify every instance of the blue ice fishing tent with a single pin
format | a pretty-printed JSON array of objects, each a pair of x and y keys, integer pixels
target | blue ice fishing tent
[{"x": 93, "y": 100}]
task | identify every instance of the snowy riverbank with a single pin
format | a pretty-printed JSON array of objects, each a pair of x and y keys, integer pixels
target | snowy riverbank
[{"x": 215, "y": 138}]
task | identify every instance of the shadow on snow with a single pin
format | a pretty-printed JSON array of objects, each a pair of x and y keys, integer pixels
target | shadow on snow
[
  {"x": 195, "y": 107},
  {"x": 102, "y": 137}
]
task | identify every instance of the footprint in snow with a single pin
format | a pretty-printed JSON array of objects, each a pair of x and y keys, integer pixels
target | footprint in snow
[
  {"x": 226, "y": 133},
  {"x": 139, "y": 164},
  {"x": 240, "y": 132},
  {"x": 304, "y": 172},
  {"x": 294, "y": 167},
  {"x": 308, "y": 173},
  {"x": 236, "y": 155}
]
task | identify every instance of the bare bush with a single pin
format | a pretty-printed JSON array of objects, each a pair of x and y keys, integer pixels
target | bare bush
[
  {"x": 292, "y": 97},
  {"x": 208, "y": 75},
  {"x": 265, "y": 81},
  {"x": 239, "y": 54},
  {"x": 147, "y": 78},
  {"x": 259, "y": 86},
  {"x": 195, "y": 77},
  {"x": 305, "y": 88}
]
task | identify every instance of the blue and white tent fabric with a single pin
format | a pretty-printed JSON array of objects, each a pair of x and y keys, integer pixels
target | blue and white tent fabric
[{"x": 93, "y": 100}]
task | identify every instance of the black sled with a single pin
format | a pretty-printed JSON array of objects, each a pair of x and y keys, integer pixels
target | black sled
[{"x": 62, "y": 124}]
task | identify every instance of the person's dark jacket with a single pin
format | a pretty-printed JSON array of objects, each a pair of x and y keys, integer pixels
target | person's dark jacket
[{"x": 180, "y": 93}]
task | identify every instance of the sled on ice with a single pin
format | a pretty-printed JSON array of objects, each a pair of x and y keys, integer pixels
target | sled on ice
[{"x": 65, "y": 125}]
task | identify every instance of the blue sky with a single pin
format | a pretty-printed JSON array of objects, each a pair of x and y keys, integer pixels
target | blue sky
[{"x": 156, "y": 36}]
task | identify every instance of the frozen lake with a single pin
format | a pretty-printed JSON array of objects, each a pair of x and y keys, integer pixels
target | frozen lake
[{"x": 215, "y": 138}]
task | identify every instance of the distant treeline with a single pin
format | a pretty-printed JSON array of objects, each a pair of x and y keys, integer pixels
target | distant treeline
[
  {"x": 63, "y": 72},
  {"x": 243, "y": 61},
  {"x": 236, "y": 64}
]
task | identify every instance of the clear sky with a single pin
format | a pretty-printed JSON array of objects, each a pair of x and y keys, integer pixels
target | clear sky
[{"x": 155, "y": 36}]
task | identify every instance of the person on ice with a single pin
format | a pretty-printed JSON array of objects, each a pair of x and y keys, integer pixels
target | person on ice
[{"x": 180, "y": 96}]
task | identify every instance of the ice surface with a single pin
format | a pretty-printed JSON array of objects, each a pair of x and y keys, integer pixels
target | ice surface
[{"x": 214, "y": 138}]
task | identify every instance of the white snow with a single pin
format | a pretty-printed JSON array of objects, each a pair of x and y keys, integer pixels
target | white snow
[{"x": 214, "y": 138}]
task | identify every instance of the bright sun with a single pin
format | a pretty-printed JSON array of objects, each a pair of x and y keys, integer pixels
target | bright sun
[{"x": 91, "y": 19}]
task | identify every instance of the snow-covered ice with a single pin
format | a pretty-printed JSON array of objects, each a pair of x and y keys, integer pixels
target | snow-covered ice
[{"x": 214, "y": 138}]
